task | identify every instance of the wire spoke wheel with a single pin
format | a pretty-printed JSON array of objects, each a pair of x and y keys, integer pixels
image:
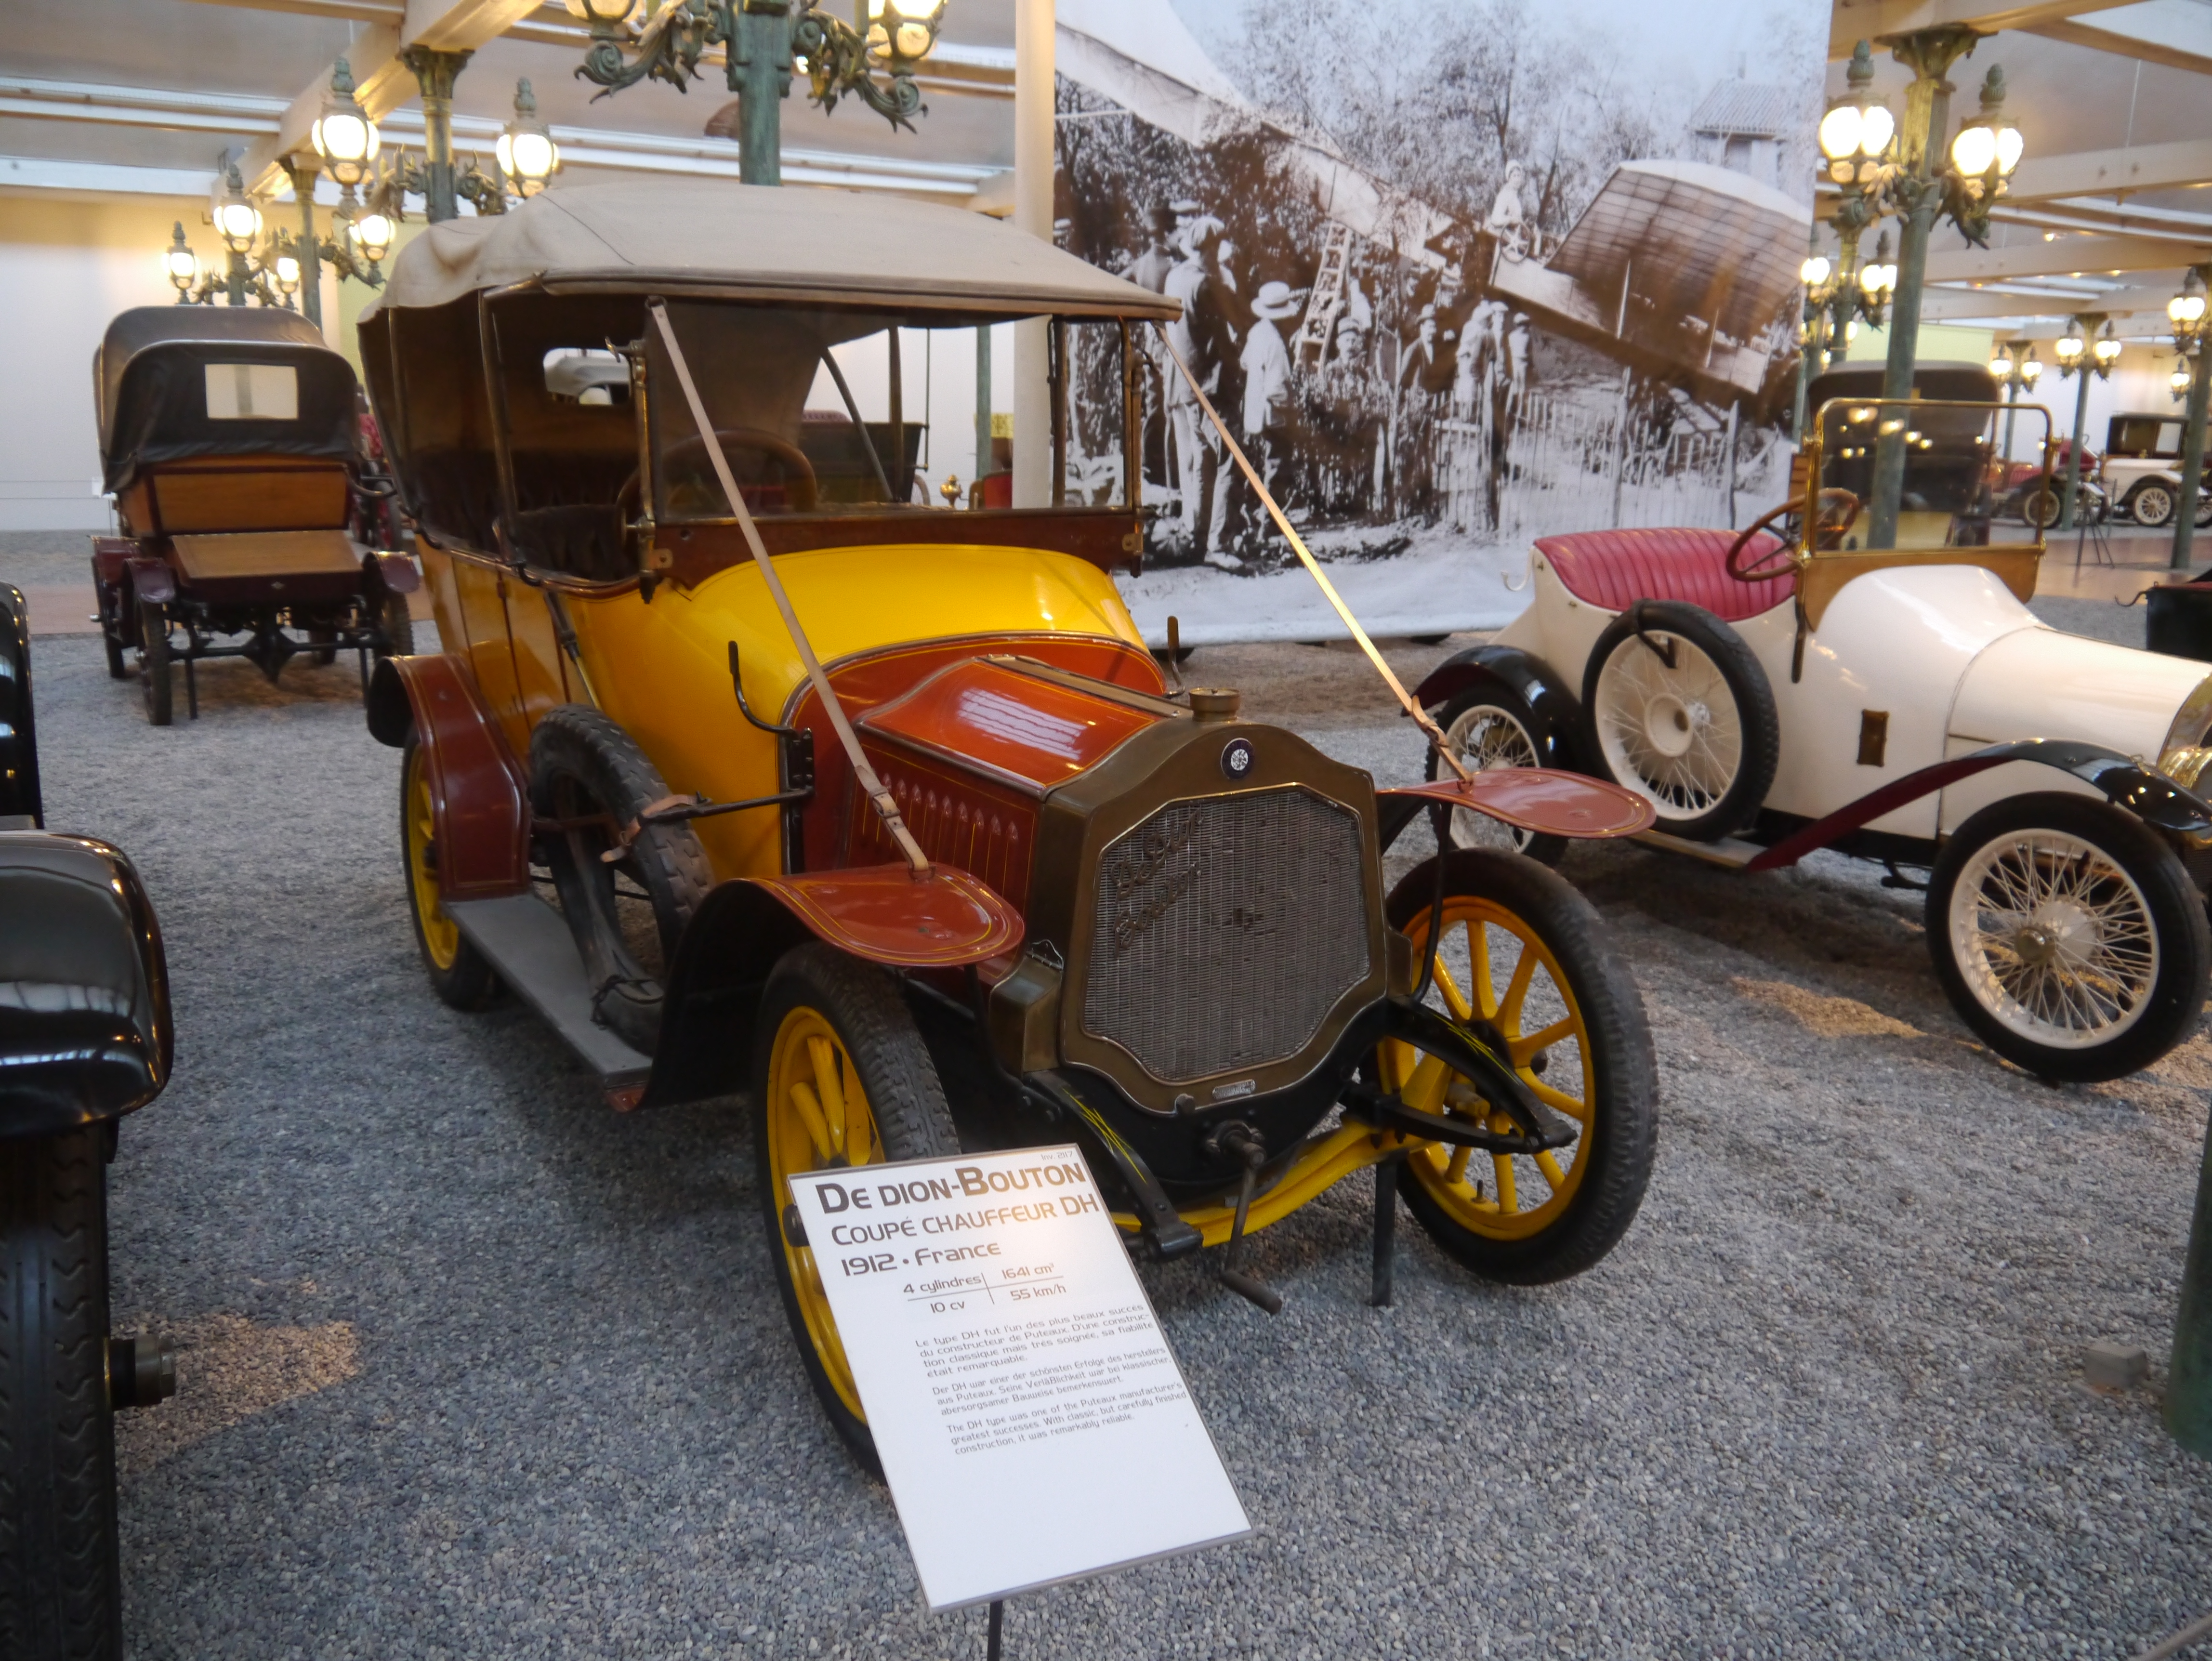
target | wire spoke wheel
[
  {"x": 1525, "y": 964},
  {"x": 1488, "y": 726},
  {"x": 2056, "y": 940},
  {"x": 817, "y": 1117},
  {"x": 1677, "y": 707},
  {"x": 1494, "y": 975},
  {"x": 1672, "y": 734},
  {"x": 2068, "y": 935}
]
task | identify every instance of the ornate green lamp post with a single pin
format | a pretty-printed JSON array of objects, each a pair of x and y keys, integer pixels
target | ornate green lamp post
[
  {"x": 2017, "y": 369},
  {"x": 1962, "y": 183},
  {"x": 2078, "y": 356},
  {"x": 2186, "y": 312},
  {"x": 764, "y": 42}
]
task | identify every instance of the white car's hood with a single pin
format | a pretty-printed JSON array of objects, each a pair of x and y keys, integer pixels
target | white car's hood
[{"x": 2040, "y": 684}]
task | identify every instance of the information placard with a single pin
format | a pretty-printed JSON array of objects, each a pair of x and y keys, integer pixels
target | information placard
[{"x": 1031, "y": 1420}]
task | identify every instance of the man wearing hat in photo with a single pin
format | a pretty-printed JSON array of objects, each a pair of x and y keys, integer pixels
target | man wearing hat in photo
[
  {"x": 1265, "y": 406},
  {"x": 1201, "y": 339},
  {"x": 1150, "y": 271}
]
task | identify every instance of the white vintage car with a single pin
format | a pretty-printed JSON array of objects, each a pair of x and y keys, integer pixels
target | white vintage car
[{"x": 1887, "y": 694}]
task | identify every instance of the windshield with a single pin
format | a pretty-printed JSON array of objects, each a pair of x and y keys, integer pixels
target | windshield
[{"x": 1974, "y": 474}]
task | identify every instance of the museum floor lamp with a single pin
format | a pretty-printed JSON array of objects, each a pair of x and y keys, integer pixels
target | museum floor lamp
[
  {"x": 1920, "y": 182},
  {"x": 2186, "y": 312},
  {"x": 2079, "y": 356},
  {"x": 764, "y": 43}
]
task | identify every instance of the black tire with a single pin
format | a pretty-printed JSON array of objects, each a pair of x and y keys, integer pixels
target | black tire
[
  {"x": 1619, "y": 1080},
  {"x": 862, "y": 1005},
  {"x": 153, "y": 673},
  {"x": 2150, "y": 504},
  {"x": 1490, "y": 725},
  {"x": 1985, "y": 965},
  {"x": 1702, "y": 800},
  {"x": 396, "y": 624},
  {"x": 60, "y": 1581},
  {"x": 460, "y": 975},
  {"x": 109, "y": 602},
  {"x": 581, "y": 764}
]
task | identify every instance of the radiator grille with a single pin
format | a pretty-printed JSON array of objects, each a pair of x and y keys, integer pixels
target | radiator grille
[{"x": 1224, "y": 931}]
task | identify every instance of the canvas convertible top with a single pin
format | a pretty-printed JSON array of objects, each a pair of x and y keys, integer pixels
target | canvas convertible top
[
  {"x": 698, "y": 238},
  {"x": 178, "y": 381}
]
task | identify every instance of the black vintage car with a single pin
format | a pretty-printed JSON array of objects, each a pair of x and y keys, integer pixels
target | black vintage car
[
  {"x": 231, "y": 442},
  {"x": 84, "y": 1039}
]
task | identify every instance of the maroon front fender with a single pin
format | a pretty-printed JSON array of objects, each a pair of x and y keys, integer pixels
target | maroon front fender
[
  {"x": 1539, "y": 800},
  {"x": 479, "y": 793}
]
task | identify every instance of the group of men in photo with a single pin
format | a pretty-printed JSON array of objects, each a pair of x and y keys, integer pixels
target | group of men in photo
[{"x": 1339, "y": 418}]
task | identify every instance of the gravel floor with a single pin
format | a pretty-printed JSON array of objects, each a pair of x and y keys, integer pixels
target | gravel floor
[{"x": 477, "y": 1368}]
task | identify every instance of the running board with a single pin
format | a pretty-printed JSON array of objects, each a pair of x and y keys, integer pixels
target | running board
[
  {"x": 528, "y": 942},
  {"x": 1727, "y": 851}
]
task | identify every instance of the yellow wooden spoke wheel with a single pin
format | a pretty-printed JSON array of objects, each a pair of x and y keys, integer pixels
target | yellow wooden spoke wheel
[
  {"x": 815, "y": 1115},
  {"x": 1524, "y": 965},
  {"x": 841, "y": 1077},
  {"x": 458, "y": 972}
]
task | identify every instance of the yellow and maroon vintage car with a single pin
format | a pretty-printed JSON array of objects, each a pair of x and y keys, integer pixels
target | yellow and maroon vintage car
[{"x": 751, "y": 771}]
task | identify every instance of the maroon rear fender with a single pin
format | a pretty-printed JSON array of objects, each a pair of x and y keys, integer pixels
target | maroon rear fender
[
  {"x": 479, "y": 793},
  {"x": 1539, "y": 800}
]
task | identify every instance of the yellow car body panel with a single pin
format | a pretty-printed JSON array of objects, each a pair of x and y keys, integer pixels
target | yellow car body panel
[{"x": 661, "y": 668}]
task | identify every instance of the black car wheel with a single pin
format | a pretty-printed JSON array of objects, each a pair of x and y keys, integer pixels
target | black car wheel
[
  {"x": 154, "y": 675},
  {"x": 2069, "y": 936},
  {"x": 396, "y": 624},
  {"x": 589, "y": 776},
  {"x": 60, "y": 1585}
]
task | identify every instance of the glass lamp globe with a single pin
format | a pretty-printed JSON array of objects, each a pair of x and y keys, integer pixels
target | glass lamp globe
[
  {"x": 527, "y": 154},
  {"x": 373, "y": 231},
  {"x": 179, "y": 262},
  {"x": 1815, "y": 271},
  {"x": 601, "y": 14},
  {"x": 2000, "y": 366},
  {"x": 2068, "y": 350},
  {"x": 2107, "y": 351},
  {"x": 237, "y": 221},
  {"x": 2179, "y": 379},
  {"x": 2031, "y": 371},
  {"x": 342, "y": 135}
]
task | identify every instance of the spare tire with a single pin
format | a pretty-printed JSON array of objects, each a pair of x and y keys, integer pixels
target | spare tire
[
  {"x": 1676, "y": 708},
  {"x": 589, "y": 776}
]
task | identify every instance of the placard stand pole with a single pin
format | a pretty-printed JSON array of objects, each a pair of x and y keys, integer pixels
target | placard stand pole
[
  {"x": 991, "y": 1649},
  {"x": 1386, "y": 1230}
]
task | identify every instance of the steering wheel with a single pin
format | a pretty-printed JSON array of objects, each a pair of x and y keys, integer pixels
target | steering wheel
[
  {"x": 685, "y": 467},
  {"x": 1835, "y": 511}
]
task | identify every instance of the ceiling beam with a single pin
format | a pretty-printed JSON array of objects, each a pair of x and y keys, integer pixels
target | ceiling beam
[
  {"x": 1958, "y": 305},
  {"x": 2125, "y": 45},
  {"x": 2178, "y": 166},
  {"x": 1854, "y": 21},
  {"x": 2071, "y": 256}
]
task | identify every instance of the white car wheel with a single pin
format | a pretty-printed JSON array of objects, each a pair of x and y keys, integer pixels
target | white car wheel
[
  {"x": 2152, "y": 505},
  {"x": 1670, "y": 726},
  {"x": 2070, "y": 936},
  {"x": 2054, "y": 938},
  {"x": 1489, "y": 727}
]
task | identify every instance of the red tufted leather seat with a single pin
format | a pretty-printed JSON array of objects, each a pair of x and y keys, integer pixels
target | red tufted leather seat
[{"x": 1610, "y": 570}]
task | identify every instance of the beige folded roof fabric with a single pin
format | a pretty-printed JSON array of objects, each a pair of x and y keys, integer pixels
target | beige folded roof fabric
[{"x": 706, "y": 237}]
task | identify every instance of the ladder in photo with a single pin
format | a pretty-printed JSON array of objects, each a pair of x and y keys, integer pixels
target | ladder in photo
[{"x": 1327, "y": 298}]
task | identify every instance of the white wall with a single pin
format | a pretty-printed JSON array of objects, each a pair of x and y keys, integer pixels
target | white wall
[
  {"x": 68, "y": 264},
  {"x": 66, "y": 267}
]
